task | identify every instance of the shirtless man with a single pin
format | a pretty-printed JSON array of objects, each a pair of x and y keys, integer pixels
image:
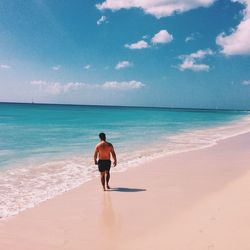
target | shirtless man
[{"x": 102, "y": 151}]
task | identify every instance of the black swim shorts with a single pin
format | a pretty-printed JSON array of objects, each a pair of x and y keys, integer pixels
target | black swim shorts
[{"x": 104, "y": 165}]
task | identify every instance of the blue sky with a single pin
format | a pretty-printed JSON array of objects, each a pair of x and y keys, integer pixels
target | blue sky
[{"x": 171, "y": 53}]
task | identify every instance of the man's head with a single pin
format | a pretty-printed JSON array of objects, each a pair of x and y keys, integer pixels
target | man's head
[{"x": 102, "y": 137}]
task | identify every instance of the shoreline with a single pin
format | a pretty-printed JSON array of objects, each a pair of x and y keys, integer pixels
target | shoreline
[
  {"x": 81, "y": 172},
  {"x": 150, "y": 199}
]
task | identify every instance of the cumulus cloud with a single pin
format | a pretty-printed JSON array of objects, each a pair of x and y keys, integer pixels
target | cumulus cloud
[
  {"x": 162, "y": 37},
  {"x": 138, "y": 45},
  {"x": 123, "y": 85},
  {"x": 56, "y": 68},
  {"x": 190, "y": 61},
  {"x": 103, "y": 19},
  {"x": 192, "y": 37},
  {"x": 123, "y": 64},
  {"x": 189, "y": 38},
  {"x": 237, "y": 43},
  {"x": 5, "y": 66},
  {"x": 88, "y": 66},
  {"x": 157, "y": 8},
  {"x": 192, "y": 65},
  {"x": 38, "y": 82},
  {"x": 55, "y": 88},
  {"x": 246, "y": 82}
]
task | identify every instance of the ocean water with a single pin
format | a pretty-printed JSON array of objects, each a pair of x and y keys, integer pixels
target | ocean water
[{"x": 46, "y": 150}]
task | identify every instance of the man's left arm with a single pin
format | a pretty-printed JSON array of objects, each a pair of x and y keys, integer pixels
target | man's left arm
[{"x": 96, "y": 154}]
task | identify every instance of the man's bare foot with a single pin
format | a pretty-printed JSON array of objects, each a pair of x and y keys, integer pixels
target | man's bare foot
[
  {"x": 104, "y": 189},
  {"x": 108, "y": 187}
]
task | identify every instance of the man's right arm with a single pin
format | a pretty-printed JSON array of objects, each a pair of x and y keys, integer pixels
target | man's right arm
[{"x": 114, "y": 156}]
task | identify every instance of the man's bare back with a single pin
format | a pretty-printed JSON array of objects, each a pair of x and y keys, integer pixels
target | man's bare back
[{"x": 103, "y": 150}]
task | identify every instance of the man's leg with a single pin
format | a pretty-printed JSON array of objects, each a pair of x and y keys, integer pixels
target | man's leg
[
  {"x": 103, "y": 180},
  {"x": 107, "y": 179}
]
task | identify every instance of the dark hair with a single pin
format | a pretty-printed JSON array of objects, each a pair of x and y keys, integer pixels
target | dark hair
[{"x": 102, "y": 136}]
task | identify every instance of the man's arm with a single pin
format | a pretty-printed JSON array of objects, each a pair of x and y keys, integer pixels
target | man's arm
[
  {"x": 96, "y": 154},
  {"x": 114, "y": 156}
]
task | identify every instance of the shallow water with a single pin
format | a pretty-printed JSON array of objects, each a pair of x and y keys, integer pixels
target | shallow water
[{"x": 47, "y": 149}]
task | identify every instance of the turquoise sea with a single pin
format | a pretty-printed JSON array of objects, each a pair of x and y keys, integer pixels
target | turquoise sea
[{"x": 47, "y": 149}]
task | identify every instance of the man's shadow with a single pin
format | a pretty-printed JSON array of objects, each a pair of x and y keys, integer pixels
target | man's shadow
[{"x": 123, "y": 189}]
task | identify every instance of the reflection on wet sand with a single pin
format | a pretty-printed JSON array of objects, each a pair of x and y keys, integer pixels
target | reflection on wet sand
[{"x": 109, "y": 224}]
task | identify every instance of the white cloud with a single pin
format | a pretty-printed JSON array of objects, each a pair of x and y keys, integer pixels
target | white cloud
[
  {"x": 157, "y": 8},
  {"x": 55, "y": 88},
  {"x": 238, "y": 42},
  {"x": 103, "y": 19},
  {"x": 88, "y": 66},
  {"x": 38, "y": 82},
  {"x": 200, "y": 54},
  {"x": 5, "y": 66},
  {"x": 190, "y": 61},
  {"x": 123, "y": 64},
  {"x": 138, "y": 45},
  {"x": 246, "y": 82},
  {"x": 192, "y": 65},
  {"x": 192, "y": 37},
  {"x": 126, "y": 85},
  {"x": 189, "y": 38},
  {"x": 162, "y": 37},
  {"x": 56, "y": 68}
]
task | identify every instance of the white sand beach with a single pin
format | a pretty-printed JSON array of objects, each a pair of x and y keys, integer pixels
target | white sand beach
[{"x": 188, "y": 201}]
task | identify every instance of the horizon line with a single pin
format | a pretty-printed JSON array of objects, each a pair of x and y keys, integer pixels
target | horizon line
[{"x": 124, "y": 106}]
